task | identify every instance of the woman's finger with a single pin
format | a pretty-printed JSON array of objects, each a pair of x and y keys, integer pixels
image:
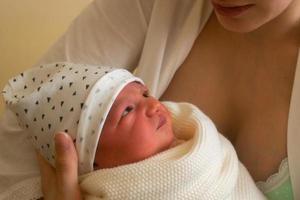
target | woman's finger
[
  {"x": 66, "y": 167},
  {"x": 48, "y": 178},
  {"x": 45, "y": 169}
]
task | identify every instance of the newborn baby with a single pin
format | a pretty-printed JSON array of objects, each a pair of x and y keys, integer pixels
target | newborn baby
[{"x": 143, "y": 151}]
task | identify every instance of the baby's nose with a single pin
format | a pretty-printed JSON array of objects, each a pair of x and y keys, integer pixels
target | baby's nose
[{"x": 152, "y": 107}]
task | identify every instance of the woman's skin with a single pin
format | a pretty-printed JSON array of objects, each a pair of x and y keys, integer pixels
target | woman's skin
[
  {"x": 245, "y": 80},
  {"x": 61, "y": 183}
]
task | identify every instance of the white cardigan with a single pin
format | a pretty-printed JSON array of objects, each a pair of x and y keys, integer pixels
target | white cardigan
[{"x": 154, "y": 35}]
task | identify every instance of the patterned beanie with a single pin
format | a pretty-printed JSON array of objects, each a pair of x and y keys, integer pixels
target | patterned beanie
[{"x": 73, "y": 98}]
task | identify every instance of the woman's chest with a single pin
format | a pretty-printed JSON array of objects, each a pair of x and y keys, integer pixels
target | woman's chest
[
  {"x": 246, "y": 91},
  {"x": 239, "y": 95}
]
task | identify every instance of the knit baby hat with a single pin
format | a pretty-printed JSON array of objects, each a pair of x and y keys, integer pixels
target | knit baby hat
[{"x": 73, "y": 98}]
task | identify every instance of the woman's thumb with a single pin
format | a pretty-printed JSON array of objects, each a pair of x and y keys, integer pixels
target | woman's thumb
[{"x": 66, "y": 166}]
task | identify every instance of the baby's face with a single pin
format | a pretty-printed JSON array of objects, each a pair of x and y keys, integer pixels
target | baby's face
[{"x": 137, "y": 127}]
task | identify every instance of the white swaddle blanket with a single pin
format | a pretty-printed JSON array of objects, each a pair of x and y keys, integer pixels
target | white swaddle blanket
[{"x": 204, "y": 167}]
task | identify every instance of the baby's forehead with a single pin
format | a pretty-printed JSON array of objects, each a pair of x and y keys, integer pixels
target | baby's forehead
[
  {"x": 130, "y": 91},
  {"x": 132, "y": 88},
  {"x": 136, "y": 85}
]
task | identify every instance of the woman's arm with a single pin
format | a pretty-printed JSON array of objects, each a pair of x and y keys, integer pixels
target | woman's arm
[{"x": 61, "y": 183}]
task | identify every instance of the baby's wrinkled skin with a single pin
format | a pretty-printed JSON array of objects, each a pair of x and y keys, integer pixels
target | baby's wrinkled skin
[{"x": 137, "y": 127}]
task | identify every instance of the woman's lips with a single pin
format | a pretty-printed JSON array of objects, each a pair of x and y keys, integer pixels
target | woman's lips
[
  {"x": 162, "y": 121},
  {"x": 231, "y": 11}
]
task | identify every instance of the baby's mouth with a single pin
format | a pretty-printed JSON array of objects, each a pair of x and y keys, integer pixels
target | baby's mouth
[{"x": 162, "y": 121}]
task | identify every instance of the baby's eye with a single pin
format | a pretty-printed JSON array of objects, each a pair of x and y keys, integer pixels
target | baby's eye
[
  {"x": 146, "y": 94},
  {"x": 127, "y": 110}
]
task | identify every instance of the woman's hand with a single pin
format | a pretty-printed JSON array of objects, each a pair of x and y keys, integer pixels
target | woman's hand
[{"x": 61, "y": 183}]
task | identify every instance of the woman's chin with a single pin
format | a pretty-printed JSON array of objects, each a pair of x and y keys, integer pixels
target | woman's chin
[
  {"x": 244, "y": 24},
  {"x": 238, "y": 27}
]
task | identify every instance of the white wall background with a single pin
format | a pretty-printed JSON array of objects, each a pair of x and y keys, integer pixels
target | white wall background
[{"x": 28, "y": 28}]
